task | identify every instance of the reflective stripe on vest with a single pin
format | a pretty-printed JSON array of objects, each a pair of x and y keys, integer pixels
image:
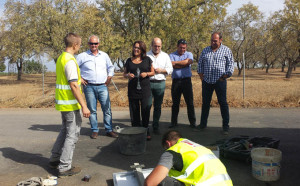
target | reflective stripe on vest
[
  {"x": 195, "y": 165},
  {"x": 66, "y": 102},
  {"x": 64, "y": 98},
  {"x": 63, "y": 87},
  {"x": 215, "y": 179}
]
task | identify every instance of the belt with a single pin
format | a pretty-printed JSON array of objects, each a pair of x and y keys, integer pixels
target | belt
[
  {"x": 95, "y": 84},
  {"x": 181, "y": 79},
  {"x": 156, "y": 81}
]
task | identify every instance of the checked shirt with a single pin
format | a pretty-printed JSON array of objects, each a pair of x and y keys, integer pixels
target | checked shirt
[{"x": 214, "y": 65}]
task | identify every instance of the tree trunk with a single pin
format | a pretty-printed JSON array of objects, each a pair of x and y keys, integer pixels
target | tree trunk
[
  {"x": 267, "y": 68},
  {"x": 19, "y": 73},
  {"x": 289, "y": 71},
  {"x": 239, "y": 68},
  {"x": 240, "y": 72},
  {"x": 19, "y": 68},
  {"x": 292, "y": 65},
  {"x": 282, "y": 67}
]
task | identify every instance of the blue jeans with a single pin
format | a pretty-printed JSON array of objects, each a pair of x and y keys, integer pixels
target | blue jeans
[
  {"x": 92, "y": 94},
  {"x": 207, "y": 90}
]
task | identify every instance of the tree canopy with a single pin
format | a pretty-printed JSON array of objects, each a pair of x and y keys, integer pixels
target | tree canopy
[{"x": 29, "y": 29}]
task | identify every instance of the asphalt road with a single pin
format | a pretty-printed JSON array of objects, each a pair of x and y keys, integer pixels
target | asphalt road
[{"x": 27, "y": 136}]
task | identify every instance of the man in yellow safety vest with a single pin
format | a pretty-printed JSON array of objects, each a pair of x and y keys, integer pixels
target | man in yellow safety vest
[
  {"x": 187, "y": 164},
  {"x": 69, "y": 101}
]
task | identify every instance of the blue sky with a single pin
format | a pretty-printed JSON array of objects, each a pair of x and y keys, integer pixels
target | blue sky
[{"x": 265, "y": 6}]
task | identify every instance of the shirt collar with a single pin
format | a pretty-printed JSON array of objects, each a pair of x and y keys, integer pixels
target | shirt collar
[
  {"x": 221, "y": 46},
  {"x": 178, "y": 53},
  {"x": 90, "y": 52},
  {"x": 151, "y": 53}
]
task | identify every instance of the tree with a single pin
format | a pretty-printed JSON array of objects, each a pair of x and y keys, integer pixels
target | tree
[
  {"x": 34, "y": 67},
  {"x": 169, "y": 20},
  {"x": 53, "y": 19},
  {"x": 39, "y": 27},
  {"x": 241, "y": 27},
  {"x": 130, "y": 21},
  {"x": 291, "y": 21},
  {"x": 2, "y": 66},
  {"x": 268, "y": 46},
  {"x": 286, "y": 37},
  {"x": 17, "y": 34}
]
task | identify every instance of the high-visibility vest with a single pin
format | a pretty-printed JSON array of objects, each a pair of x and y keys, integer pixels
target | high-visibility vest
[
  {"x": 64, "y": 98},
  {"x": 200, "y": 166}
]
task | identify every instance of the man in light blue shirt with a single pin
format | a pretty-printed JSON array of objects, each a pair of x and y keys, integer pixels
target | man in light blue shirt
[
  {"x": 96, "y": 73},
  {"x": 182, "y": 83}
]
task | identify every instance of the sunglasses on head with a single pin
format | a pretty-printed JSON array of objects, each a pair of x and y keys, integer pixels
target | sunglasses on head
[
  {"x": 181, "y": 41},
  {"x": 93, "y": 43}
]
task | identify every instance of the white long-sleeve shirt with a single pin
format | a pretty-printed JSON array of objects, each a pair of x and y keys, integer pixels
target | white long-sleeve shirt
[{"x": 163, "y": 61}]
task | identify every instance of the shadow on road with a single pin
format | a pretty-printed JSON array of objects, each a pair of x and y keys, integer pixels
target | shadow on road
[
  {"x": 111, "y": 157},
  {"x": 27, "y": 158},
  {"x": 85, "y": 131}
]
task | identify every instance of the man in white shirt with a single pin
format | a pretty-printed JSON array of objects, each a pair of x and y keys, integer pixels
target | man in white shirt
[
  {"x": 96, "y": 73},
  {"x": 162, "y": 66}
]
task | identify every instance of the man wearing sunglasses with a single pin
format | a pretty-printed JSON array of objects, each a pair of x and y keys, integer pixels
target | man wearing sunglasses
[{"x": 96, "y": 72}]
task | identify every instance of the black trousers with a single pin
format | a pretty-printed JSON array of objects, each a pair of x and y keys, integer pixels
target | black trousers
[
  {"x": 182, "y": 86},
  {"x": 169, "y": 181},
  {"x": 207, "y": 91},
  {"x": 138, "y": 107}
]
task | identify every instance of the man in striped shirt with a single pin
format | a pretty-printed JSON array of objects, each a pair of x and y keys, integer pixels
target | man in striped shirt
[{"x": 215, "y": 65}]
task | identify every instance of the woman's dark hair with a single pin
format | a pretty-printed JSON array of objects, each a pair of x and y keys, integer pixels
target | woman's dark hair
[{"x": 142, "y": 48}]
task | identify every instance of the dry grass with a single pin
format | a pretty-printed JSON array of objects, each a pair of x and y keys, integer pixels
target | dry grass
[{"x": 261, "y": 90}]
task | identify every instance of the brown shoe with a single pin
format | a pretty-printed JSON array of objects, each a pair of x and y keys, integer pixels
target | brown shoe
[
  {"x": 94, "y": 135},
  {"x": 71, "y": 172},
  {"x": 112, "y": 134}
]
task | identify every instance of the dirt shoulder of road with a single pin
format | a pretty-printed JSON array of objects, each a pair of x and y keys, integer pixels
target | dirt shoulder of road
[{"x": 262, "y": 90}]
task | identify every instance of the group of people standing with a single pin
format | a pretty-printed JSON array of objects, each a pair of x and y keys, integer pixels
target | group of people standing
[{"x": 146, "y": 73}]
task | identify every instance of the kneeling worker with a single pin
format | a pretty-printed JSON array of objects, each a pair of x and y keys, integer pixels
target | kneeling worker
[{"x": 187, "y": 163}]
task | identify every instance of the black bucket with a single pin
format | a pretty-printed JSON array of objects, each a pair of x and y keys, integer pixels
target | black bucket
[{"x": 132, "y": 140}]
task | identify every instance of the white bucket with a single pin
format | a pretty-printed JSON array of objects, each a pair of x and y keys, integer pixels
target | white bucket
[{"x": 266, "y": 164}]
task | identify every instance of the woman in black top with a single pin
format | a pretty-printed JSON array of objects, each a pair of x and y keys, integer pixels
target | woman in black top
[{"x": 138, "y": 69}]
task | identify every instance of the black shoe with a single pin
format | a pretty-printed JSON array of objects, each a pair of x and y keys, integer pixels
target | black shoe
[
  {"x": 71, "y": 172},
  {"x": 173, "y": 126},
  {"x": 54, "y": 164},
  {"x": 156, "y": 131},
  {"x": 193, "y": 126},
  {"x": 199, "y": 128},
  {"x": 225, "y": 132},
  {"x": 148, "y": 138}
]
